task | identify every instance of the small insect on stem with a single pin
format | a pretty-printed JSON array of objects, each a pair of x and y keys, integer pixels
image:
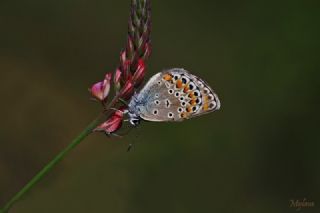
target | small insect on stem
[{"x": 130, "y": 147}]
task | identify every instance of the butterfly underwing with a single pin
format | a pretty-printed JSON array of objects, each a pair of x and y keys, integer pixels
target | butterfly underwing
[{"x": 173, "y": 95}]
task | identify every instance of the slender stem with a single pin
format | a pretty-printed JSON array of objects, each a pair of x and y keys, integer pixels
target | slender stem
[{"x": 52, "y": 163}]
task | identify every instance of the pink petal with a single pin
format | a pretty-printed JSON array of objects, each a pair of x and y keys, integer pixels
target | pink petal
[
  {"x": 97, "y": 91},
  {"x": 106, "y": 85},
  {"x": 113, "y": 124}
]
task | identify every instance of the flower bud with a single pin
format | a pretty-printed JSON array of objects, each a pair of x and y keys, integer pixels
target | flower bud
[
  {"x": 101, "y": 89},
  {"x": 126, "y": 68},
  {"x": 123, "y": 56},
  {"x": 139, "y": 74},
  {"x": 127, "y": 90},
  {"x": 117, "y": 79},
  {"x": 147, "y": 51},
  {"x": 130, "y": 46}
]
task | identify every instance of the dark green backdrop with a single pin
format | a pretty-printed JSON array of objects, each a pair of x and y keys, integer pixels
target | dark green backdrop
[{"x": 255, "y": 155}]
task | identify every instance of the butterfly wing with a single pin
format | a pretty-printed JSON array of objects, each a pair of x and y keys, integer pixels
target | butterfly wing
[
  {"x": 175, "y": 95},
  {"x": 156, "y": 101}
]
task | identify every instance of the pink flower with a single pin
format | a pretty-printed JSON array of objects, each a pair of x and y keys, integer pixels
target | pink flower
[
  {"x": 113, "y": 123},
  {"x": 101, "y": 89},
  {"x": 139, "y": 74}
]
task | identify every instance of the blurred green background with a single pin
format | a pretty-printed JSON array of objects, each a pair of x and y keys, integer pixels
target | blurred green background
[{"x": 254, "y": 155}]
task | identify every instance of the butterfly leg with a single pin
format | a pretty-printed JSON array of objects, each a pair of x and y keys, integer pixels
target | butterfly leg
[{"x": 108, "y": 134}]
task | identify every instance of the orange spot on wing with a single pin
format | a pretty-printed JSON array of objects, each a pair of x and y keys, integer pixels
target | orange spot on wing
[
  {"x": 167, "y": 77},
  {"x": 191, "y": 95},
  {"x": 186, "y": 88},
  {"x": 205, "y": 106},
  {"x": 184, "y": 115},
  {"x": 193, "y": 102},
  {"x": 179, "y": 84},
  {"x": 189, "y": 109},
  {"x": 205, "y": 98}
]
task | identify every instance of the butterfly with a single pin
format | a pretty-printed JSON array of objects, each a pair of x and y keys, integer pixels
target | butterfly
[{"x": 172, "y": 95}]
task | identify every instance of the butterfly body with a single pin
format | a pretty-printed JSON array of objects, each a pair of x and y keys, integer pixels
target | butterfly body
[{"x": 172, "y": 95}]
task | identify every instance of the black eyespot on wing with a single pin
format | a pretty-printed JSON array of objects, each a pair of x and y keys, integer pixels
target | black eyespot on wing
[
  {"x": 155, "y": 112},
  {"x": 167, "y": 103},
  {"x": 184, "y": 80}
]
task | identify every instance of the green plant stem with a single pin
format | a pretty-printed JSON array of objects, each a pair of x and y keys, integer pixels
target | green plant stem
[{"x": 52, "y": 163}]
